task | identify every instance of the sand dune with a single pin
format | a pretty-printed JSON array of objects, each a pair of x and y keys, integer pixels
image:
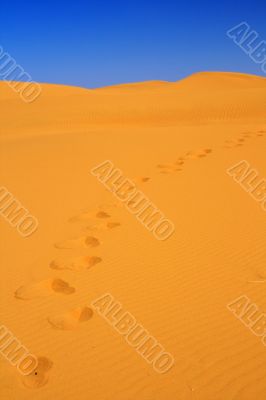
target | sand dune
[
  {"x": 199, "y": 99},
  {"x": 175, "y": 140}
]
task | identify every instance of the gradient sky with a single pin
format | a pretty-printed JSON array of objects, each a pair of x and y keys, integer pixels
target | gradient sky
[{"x": 98, "y": 43}]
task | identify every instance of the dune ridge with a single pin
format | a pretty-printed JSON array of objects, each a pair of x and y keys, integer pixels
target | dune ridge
[{"x": 199, "y": 99}]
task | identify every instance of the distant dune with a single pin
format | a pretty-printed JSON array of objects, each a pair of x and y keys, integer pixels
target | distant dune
[
  {"x": 174, "y": 141},
  {"x": 201, "y": 98}
]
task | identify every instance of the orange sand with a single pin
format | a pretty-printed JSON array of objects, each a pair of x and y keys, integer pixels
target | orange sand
[{"x": 179, "y": 288}]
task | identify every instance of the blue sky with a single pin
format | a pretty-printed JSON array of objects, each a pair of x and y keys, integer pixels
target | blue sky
[{"x": 98, "y": 43}]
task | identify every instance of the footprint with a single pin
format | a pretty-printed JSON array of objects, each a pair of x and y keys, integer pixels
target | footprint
[
  {"x": 102, "y": 214},
  {"x": 43, "y": 289},
  {"x": 192, "y": 155},
  {"x": 142, "y": 179},
  {"x": 103, "y": 227},
  {"x": 179, "y": 162},
  {"x": 89, "y": 216},
  {"x": 168, "y": 168},
  {"x": 72, "y": 319},
  {"x": 39, "y": 376},
  {"x": 145, "y": 179},
  {"x": 246, "y": 134},
  {"x": 75, "y": 264},
  {"x": 112, "y": 225},
  {"x": 81, "y": 242},
  {"x": 195, "y": 156},
  {"x": 230, "y": 144}
]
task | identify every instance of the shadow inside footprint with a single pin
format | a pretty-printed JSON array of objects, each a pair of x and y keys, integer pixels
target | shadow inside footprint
[
  {"x": 60, "y": 286},
  {"x": 39, "y": 376},
  {"x": 179, "y": 162},
  {"x": 71, "y": 319},
  {"x": 142, "y": 179},
  {"x": 145, "y": 179}
]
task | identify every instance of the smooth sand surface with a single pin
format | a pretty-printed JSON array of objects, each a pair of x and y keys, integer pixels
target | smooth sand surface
[{"x": 183, "y": 136}]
